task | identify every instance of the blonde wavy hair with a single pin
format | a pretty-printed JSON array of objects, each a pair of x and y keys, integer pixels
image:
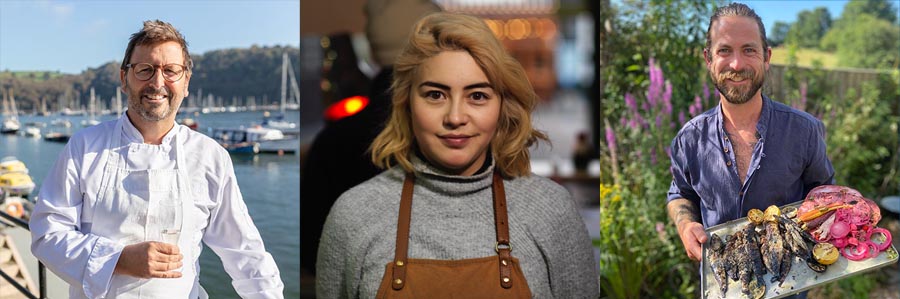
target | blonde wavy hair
[{"x": 440, "y": 32}]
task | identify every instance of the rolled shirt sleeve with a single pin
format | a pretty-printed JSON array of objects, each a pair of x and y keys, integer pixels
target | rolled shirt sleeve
[
  {"x": 80, "y": 259},
  {"x": 232, "y": 235}
]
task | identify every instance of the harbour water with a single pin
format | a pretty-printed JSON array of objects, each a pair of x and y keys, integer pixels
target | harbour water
[{"x": 269, "y": 184}]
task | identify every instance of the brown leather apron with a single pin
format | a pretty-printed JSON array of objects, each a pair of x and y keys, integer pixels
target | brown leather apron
[{"x": 488, "y": 277}]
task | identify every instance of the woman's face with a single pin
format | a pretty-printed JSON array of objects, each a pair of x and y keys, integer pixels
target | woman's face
[{"x": 454, "y": 112}]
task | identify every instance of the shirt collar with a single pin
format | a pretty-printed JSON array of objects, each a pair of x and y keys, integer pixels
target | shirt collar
[
  {"x": 761, "y": 125},
  {"x": 132, "y": 135}
]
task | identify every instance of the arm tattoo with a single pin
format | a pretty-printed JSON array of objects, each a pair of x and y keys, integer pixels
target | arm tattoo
[{"x": 684, "y": 211}]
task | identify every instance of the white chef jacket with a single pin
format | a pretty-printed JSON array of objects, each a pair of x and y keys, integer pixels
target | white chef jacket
[{"x": 86, "y": 261}]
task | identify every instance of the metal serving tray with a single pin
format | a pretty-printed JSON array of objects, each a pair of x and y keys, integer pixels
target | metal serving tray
[{"x": 799, "y": 279}]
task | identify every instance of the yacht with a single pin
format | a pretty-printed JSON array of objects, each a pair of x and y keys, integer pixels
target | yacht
[
  {"x": 11, "y": 123},
  {"x": 268, "y": 140}
]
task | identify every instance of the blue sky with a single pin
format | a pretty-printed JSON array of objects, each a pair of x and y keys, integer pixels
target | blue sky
[
  {"x": 70, "y": 36},
  {"x": 786, "y": 11}
]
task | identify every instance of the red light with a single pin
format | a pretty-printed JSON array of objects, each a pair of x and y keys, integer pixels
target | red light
[{"x": 346, "y": 107}]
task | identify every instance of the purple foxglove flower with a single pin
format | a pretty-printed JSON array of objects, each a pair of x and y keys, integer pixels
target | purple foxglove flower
[
  {"x": 630, "y": 102},
  {"x": 610, "y": 138}
]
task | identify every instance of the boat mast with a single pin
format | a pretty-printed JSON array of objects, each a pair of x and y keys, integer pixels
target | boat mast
[
  {"x": 91, "y": 105},
  {"x": 118, "y": 101},
  {"x": 5, "y": 103},
  {"x": 12, "y": 103},
  {"x": 284, "y": 73},
  {"x": 295, "y": 89}
]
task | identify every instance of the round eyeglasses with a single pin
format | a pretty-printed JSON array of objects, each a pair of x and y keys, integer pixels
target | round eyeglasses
[{"x": 144, "y": 71}]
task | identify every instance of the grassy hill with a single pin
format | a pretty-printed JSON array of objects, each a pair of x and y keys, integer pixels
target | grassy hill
[
  {"x": 36, "y": 76},
  {"x": 227, "y": 73},
  {"x": 805, "y": 57}
]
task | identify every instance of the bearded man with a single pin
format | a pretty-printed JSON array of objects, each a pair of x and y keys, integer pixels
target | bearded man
[
  {"x": 749, "y": 152},
  {"x": 124, "y": 210}
]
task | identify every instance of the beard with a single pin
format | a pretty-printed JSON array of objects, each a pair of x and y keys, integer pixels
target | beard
[
  {"x": 737, "y": 94},
  {"x": 151, "y": 112}
]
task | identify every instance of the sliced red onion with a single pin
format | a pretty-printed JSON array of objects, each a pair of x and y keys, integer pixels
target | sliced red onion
[
  {"x": 887, "y": 235},
  {"x": 855, "y": 254},
  {"x": 873, "y": 249}
]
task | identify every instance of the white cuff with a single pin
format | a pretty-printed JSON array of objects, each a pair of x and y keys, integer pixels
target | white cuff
[
  {"x": 100, "y": 266},
  {"x": 262, "y": 287}
]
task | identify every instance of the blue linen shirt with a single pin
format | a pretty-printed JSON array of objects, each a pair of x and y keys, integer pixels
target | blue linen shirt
[{"x": 787, "y": 162}]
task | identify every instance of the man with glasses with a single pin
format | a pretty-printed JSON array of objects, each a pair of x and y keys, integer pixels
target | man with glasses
[{"x": 123, "y": 211}]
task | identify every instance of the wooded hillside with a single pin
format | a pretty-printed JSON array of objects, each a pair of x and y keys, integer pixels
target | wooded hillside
[{"x": 225, "y": 73}]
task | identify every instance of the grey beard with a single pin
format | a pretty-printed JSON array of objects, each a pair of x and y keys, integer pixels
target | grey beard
[{"x": 147, "y": 115}]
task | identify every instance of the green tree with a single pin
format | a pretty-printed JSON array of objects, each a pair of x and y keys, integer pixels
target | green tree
[
  {"x": 674, "y": 32},
  {"x": 864, "y": 41},
  {"x": 778, "y": 33},
  {"x": 882, "y": 9},
  {"x": 809, "y": 28}
]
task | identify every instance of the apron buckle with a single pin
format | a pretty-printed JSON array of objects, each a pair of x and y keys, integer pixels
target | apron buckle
[{"x": 497, "y": 247}]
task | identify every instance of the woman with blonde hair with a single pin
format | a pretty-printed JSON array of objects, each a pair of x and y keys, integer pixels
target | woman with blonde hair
[{"x": 457, "y": 143}]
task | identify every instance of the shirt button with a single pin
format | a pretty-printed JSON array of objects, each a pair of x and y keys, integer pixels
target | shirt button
[
  {"x": 728, "y": 163},
  {"x": 726, "y": 150}
]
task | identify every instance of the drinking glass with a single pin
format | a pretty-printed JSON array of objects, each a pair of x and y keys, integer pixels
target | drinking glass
[{"x": 170, "y": 218}]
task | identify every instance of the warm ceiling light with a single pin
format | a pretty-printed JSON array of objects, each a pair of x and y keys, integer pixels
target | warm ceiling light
[
  {"x": 518, "y": 29},
  {"x": 346, "y": 107},
  {"x": 496, "y": 27}
]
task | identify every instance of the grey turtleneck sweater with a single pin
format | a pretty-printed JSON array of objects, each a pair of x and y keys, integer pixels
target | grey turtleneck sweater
[{"x": 452, "y": 219}]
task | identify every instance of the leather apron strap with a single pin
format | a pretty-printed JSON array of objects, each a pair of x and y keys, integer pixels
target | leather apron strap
[
  {"x": 503, "y": 247},
  {"x": 399, "y": 273},
  {"x": 500, "y": 221}
]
